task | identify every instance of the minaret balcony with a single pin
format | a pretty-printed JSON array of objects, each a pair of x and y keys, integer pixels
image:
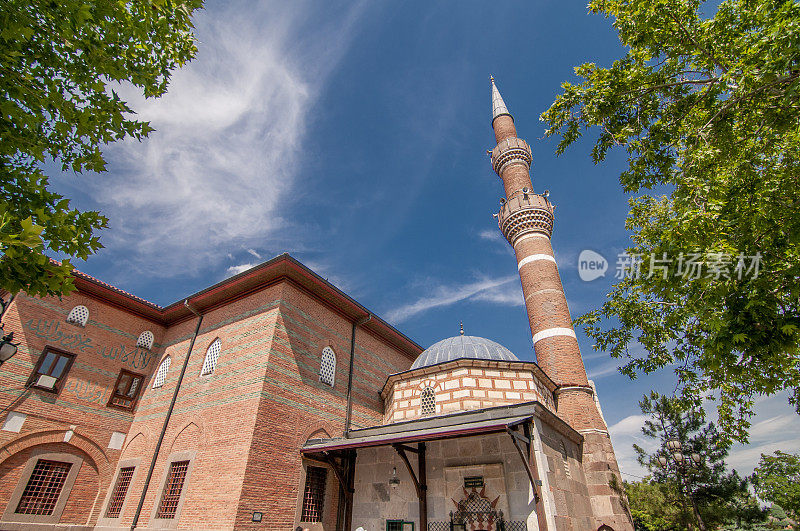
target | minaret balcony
[
  {"x": 509, "y": 152},
  {"x": 525, "y": 213}
]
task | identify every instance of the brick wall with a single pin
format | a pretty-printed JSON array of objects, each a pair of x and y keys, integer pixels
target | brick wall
[
  {"x": 102, "y": 348},
  {"x": 463, "y": 389}
]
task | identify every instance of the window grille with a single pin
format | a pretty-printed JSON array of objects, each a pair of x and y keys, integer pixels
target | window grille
[
  {"x": 44, "y": 487},
  {"x": 119, "y": 492},
  {"x": 145, "y": 340},
  {"x": 212, "y": 354},
  {"x": 428, "y": 401},
  {"x": 126, "y": 390},
  {"x": 172, "y": 490},
  {"x": 161, "y": 374},
  {"x": 51, "y": 369},
  {"x": 314, "y": 494},
  {"x": 79, "y": 315},
  {"x": 327, "y": 367}
]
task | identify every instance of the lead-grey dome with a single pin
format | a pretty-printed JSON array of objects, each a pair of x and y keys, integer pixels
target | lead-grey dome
[{"x": 458, "y": 347}]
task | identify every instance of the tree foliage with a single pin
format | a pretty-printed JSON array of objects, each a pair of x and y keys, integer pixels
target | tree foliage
[
  {"x": 59, "y": 62},
  {"x": 702, "y": 493},
  {"x": 777, "y": 480},
  {"x": 707, "y": 110}
]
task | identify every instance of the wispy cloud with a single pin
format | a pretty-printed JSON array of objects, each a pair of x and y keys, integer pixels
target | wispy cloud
[
  {"x": 254, "y": 253},
  {"x": 501, "y": 290},
  {"x": 213, "y": 175},
  {"x": 605, "y": 369},
  {"x": 492, "y": 236},
  {"x": 235, "y": 270}
]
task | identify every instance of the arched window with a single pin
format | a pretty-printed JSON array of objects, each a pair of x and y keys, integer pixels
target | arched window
[
  {"x": 428, "y": 401},
  {"x": 212, "y": 354},
  {"x": 79, "y": 315},
  {"x": 145, "y": 340},
  {"x": 327, "y": 367},
  {"x": 161, "y": 374}
]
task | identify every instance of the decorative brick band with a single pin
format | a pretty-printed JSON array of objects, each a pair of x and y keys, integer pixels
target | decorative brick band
[
  {"x": 511, "y": 151},
  {"x": 594, "y": 430},
  {"x": 531, "y": 235},
  {"x": 534, "y": 258},
  {"x": 552, "y": 332},
  {"x": 584, "y": 388}
]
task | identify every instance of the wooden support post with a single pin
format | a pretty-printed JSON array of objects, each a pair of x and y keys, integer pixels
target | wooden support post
[
  {"x": 419, "y": 479},
  {"x": 423, "y": 497},
  {"x": 523, "y": 453},
  {"x": 351, "y": 482}
]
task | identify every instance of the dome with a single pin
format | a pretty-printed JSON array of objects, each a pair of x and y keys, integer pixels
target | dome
[{"x": 459, "y": 347}]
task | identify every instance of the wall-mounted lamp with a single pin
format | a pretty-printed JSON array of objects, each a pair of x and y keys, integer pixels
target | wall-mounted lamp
[
  {"x": 394, "y": 481},
  {"x": 7, "y": 346}
]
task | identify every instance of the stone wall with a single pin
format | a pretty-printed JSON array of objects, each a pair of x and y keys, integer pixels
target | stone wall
[{"x": 448, "y": 462}]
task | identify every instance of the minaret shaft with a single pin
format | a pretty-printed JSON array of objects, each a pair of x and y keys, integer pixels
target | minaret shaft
[{"x": 526, "y": 220}]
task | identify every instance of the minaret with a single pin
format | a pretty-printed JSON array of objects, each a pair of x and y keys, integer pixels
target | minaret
[{"x": 526, "y": 220}]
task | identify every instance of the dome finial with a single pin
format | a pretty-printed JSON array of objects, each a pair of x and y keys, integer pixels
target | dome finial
[{"x": 462, "y": 327}]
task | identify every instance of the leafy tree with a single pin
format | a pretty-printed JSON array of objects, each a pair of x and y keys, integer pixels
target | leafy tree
[
  {"x": 652, "y": 505},
  {"x": 777, "y": 480},
  {"x": 59, "y": 62},
  {"x": 707, "y": 110},
  {"x": 690, "y": 466}
]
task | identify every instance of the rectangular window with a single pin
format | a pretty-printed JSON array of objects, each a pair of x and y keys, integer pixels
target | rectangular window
[
  {"x": 399, "y": 525},
  {"x": 172, "y": 490},
  {"x": 44, "y": 487},
  {"x": 126, "y": 390},
  {"x": 314, "y": 494},
  {"x": 120, "y": 490},
  {"x": 51, "y": 370}
]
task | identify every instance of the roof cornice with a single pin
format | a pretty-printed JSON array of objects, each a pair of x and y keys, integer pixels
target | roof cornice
[{"x": 281, "y": 268}]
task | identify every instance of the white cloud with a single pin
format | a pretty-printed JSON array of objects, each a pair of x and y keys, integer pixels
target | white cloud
[
  {"x": 213, "y": 175},
  {"x": 605, "y": 369},
  {"x": 492, "y": 236},
  {"x": 254, "y": 253},
  {"x": 495, "y": 290},
  {"x": 235, "y": 270}
]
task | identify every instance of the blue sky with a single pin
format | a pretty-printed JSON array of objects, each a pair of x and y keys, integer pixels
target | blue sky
[{"x": 354, "y": 136}]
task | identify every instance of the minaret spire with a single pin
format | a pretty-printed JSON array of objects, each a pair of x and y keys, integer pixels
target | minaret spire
[{"x": 498, "y": 105}]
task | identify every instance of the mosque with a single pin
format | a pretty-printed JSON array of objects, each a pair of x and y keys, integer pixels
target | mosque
[{"x": 273, "y": 400}]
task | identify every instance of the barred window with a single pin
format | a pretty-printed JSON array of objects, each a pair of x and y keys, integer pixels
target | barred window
[
  {"x": 327, "y": 367},
  {"x": 126, "y": 390},
  {"x": 119, "y": 492},
  {"x": 161, "y": 374},
  {"x": 172, "y": 489},
  {"x": 428, "y": 401},
  {"x": 212, "y": 354},
  {"x": 44, "y": 487},
  {"x": 145, "y": 340},
  {"x": 314, "y": 494},
  {"x": 79, "y": 315}
]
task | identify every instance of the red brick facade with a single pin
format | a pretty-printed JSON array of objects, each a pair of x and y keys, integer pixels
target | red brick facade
[{"x": 239, "y": 427}]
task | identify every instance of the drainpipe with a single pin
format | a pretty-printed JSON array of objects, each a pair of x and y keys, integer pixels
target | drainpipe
[
  {"x": 349, "y": 414},
  {"x": 169, "y": 414}
]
